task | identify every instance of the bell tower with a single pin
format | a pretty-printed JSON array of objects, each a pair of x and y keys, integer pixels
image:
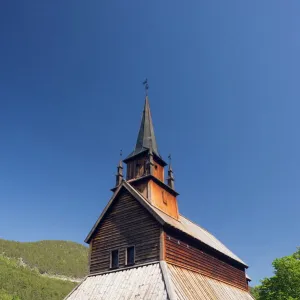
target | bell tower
[{"x": 145, "y": 168}]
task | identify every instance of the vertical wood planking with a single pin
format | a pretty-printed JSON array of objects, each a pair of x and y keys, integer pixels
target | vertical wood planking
[
  {"x": 184, "y": 253},
  {"x": 90, "y": 253},
  {"x": 163, "y": 200},
  {"x": 126, "y": 224},
  {"x": 162, "y": 245}
]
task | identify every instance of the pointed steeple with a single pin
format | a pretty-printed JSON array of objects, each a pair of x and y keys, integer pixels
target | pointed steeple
[
  {"x": 146, "y": 138},
  {"x": 145, "y": 169}
]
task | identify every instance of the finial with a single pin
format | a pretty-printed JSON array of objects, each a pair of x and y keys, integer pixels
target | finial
[
  {"x": 120, "y": 162},
  {"x": 119, "y": 175},
  {"x": 170, "y": 174},
  {"x": 146, "y": 85}
]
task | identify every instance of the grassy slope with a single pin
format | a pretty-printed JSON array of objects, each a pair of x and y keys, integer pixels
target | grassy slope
[
  {"x": 52, "y": 257},
  {"x": 17, "y": 282}
]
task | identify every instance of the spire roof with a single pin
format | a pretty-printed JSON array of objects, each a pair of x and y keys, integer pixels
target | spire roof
[{"x": 146, "y": 138}]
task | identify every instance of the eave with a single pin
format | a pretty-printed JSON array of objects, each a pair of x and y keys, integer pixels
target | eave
[
  {"x": 136, "y": 154},
  {"x": 156, "y": 180}
]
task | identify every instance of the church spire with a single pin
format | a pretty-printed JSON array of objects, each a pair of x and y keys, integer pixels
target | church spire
[
  {"x": 146, "y": 140},
  {"x": 146, "y": 137},
  {"x": 145, "y": 167}
]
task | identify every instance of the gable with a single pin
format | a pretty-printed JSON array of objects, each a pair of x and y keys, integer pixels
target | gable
[
  {"x": 136, "y": 195},
  {"x": 125, "y": 223}
]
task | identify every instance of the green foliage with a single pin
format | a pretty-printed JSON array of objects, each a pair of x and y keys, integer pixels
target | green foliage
[
  {"x": 255, "y": 292},
  {"x": 5, "y": 296},
  {"x": 17, "y": 282},
  {"x": 285, "y": 284},
  {"x": 51, "y": 257}
]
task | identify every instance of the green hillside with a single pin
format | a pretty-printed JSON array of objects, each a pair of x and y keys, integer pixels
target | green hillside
[
  {"x": 51, "y": 257},
  {"x": 22, "y": 266},
  {"x": 17, "y": 282}
]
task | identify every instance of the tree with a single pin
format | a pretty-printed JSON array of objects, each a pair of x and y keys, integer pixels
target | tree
[
  {"x": 255, "y": 292},
  {"x": 285, "y": 284}
]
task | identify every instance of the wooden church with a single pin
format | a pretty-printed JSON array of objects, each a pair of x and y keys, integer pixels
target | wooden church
[{"x": 141, "y": 247}]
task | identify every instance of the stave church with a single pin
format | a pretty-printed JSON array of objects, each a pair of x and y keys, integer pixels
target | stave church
[{"x": 141, "y": 247}]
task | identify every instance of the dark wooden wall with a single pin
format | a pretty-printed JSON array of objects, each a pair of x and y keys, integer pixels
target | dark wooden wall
[
  {"x": 126, "y": 223},
  {"x": 136, "y": 168},
  {"x": 185, "y": 253}
]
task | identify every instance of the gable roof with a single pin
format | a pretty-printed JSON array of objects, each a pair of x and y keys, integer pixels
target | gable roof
[
  {"x": 183, "y": 224},
  {"x": 155, "y": 281}
]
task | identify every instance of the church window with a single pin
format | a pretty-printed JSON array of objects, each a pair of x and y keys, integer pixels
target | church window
[
  {"x": 130, "y": 255},
  {"x": 114, "y": 259}
]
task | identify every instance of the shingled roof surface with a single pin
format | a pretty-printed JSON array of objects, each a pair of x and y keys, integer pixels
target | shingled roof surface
[
  {"x": 144, "y": 282},
  {"x": 189, "y": 285},
  {"x": 155, "y": 281}
]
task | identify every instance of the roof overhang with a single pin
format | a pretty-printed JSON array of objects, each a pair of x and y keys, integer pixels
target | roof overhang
[
  {"x": 137, "y": 154},
  {"x": 156, "y": 180}
]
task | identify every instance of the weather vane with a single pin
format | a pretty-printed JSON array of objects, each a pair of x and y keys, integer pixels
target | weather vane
[
  {"x": 121, "y": 153},
  {"x": 170, "y": 158},
  {"x": 146, "y": 85}
]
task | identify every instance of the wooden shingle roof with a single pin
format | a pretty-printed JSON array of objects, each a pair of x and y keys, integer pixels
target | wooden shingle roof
[{"x": 155, "y": 281}]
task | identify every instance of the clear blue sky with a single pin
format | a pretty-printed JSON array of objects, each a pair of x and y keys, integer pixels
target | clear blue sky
[{"x": 224, "y": 93}]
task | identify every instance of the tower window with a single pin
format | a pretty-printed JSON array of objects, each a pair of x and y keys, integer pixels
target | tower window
[
  {"x": 130, "y": 256},
  {"x": 114, "y": 259}
]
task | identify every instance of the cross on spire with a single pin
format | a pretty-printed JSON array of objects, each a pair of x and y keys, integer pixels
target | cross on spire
[{"x": 146, "y": 85}]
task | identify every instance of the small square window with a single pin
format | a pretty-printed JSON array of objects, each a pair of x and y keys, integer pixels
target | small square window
[
  {"x": 130, "y": 256},
  {"x": 114, "y": 259}
]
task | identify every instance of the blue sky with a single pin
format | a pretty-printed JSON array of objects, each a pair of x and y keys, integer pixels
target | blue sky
[{"x": 224, "y": 94}]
